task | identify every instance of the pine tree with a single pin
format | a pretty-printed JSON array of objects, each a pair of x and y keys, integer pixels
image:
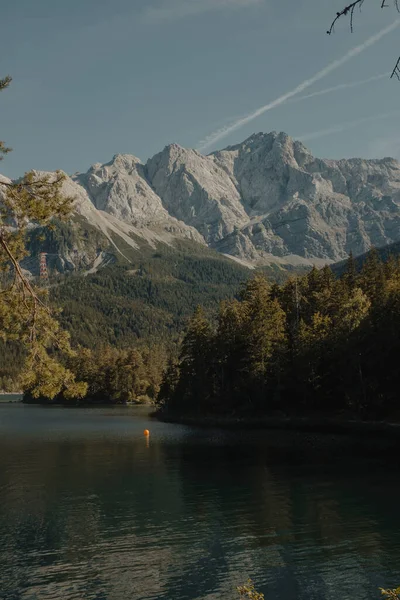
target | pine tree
[
  {"x": 315, "y": 343},
  {"x": 230, "y": 340},
  {"x": 196, "y": 362},
  {"x": 4, "y": 83},
  {"x": 350, "y": 276},
  {"x": 353, "y": 311},
  {"x": 328, "y": 279},
  {"x": 25, "y": 317},
  {"x": 372, "y": 278},
  {"x": 166, "y": 397},
  {"x": 265, "y": 339},
  {"x": 391, "y": 268}
]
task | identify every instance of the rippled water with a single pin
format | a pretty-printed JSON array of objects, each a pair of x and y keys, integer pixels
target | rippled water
[{"x": 90, "y": 509}]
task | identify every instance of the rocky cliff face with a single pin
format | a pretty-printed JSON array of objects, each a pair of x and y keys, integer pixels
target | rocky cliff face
[
  {"x": 120, "y": 189},
  {"x": 306, "y": 207},
  {"x": 198, "y": 191},
  {"x": 264, "y": 200},
  {"x": 268, "y": 199}
]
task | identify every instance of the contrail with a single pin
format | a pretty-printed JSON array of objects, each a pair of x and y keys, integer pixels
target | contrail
[
  {"x": 340, "y": 86},
  {"x": 223, "y": 132},
  {"x": 345, "y": 126}
]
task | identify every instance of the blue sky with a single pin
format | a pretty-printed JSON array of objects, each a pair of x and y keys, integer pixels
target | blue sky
[{"x": 92, "y": 78}]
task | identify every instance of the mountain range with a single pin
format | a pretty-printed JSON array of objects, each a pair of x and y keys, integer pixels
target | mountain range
[
  {"x": 267, "y": 200},
  {"x": 147, "y": 243}
]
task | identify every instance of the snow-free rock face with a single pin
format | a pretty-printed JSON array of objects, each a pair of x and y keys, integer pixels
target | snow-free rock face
[
  {"x": 120, "y": 188},
  {"x": 264, "y": 200},
  {"x": 312, "y": 208},
  {"x": 95, "y": 233},
  {"x": 196, "y": 190}
]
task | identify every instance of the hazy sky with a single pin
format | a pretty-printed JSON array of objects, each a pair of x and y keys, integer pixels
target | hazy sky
[{"x": 92, "y": 78}]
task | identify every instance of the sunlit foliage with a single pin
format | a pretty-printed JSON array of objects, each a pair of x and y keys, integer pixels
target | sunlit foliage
[{"x": 25, "y": 317}]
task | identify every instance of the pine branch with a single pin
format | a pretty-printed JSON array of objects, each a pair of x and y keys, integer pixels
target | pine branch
[
  {"x": 4, "y": 150},
  {"x": 23, "y": 314},
  {"x": 17, "y": 270},
  {"x": 40, "y": 182},
  {"x": 4, "y": 83}
]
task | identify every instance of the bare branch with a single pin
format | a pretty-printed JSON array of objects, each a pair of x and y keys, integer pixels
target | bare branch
[
  {"x": 396, "y": 70},
  {"x": 348, "y": 10}
]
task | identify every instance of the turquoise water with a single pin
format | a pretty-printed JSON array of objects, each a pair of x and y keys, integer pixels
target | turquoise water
[{"x": 90, "y": 509}]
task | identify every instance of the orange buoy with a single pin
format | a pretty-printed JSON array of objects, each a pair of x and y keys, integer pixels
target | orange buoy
[{"x": 146, "y": 432}]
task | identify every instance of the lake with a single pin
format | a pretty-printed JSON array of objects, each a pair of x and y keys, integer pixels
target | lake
[{"x": 91, "y": 509}]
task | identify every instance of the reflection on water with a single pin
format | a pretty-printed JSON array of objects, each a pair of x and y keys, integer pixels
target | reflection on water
[{"x": 90, "y": 510}]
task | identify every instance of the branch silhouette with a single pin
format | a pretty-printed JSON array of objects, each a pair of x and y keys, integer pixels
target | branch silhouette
[
  {"x": 348, "y": 11},
  {"x": 396, "y": 70}
]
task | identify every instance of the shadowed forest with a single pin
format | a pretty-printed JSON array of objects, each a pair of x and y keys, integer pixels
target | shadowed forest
[{"x": 316, "y": 344}]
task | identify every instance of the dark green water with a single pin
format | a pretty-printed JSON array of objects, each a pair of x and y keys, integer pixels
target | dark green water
[{"x": 91, "y": 510}]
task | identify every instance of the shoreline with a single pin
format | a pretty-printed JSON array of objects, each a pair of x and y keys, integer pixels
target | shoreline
[{"x": 328, "y": 425}]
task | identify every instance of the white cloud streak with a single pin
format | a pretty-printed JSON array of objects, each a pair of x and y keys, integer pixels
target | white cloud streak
[
  {"x": 340, "y": 86},
  {"x": 179, "y": 9},
  {"x": 346, "y": 125},
  {"x": 223, "y": 132}
]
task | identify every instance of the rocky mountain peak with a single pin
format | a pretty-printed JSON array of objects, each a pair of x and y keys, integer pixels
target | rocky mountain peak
[
  {"x": 121, "y": 189},
  {"x": 263, "y": 200},
  {"x": 269, "y": 148},
  {"x": 171, "y": 159},
  {"x": 194, "y": 189},
  {"x": 118, "y": 163}
]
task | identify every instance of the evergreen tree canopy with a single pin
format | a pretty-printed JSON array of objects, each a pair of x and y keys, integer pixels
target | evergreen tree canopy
[
  {"x": 315, "y": 344},
  {"x": 24, "y": 313}
]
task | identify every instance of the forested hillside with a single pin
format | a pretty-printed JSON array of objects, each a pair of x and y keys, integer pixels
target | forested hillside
[
  {"x": 316, "y": 344},
  {"x": 385, "y": 253},
  {"x": 147, "y": 294},
  {"x": 139, "y": 297},
  {"x": 148, "y": 299},
  {"x": 137, "y": 304}
]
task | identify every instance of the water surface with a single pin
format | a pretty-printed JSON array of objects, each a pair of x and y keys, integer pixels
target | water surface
[{"x": 90, "y": 509}]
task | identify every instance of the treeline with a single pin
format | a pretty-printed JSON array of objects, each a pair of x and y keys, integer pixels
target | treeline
[
  {"x": 114, "y": 376},
  {"x": 315, "y": 344}
]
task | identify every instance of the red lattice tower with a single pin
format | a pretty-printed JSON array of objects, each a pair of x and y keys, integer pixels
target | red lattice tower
[{"x": 44, "y": 275}]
